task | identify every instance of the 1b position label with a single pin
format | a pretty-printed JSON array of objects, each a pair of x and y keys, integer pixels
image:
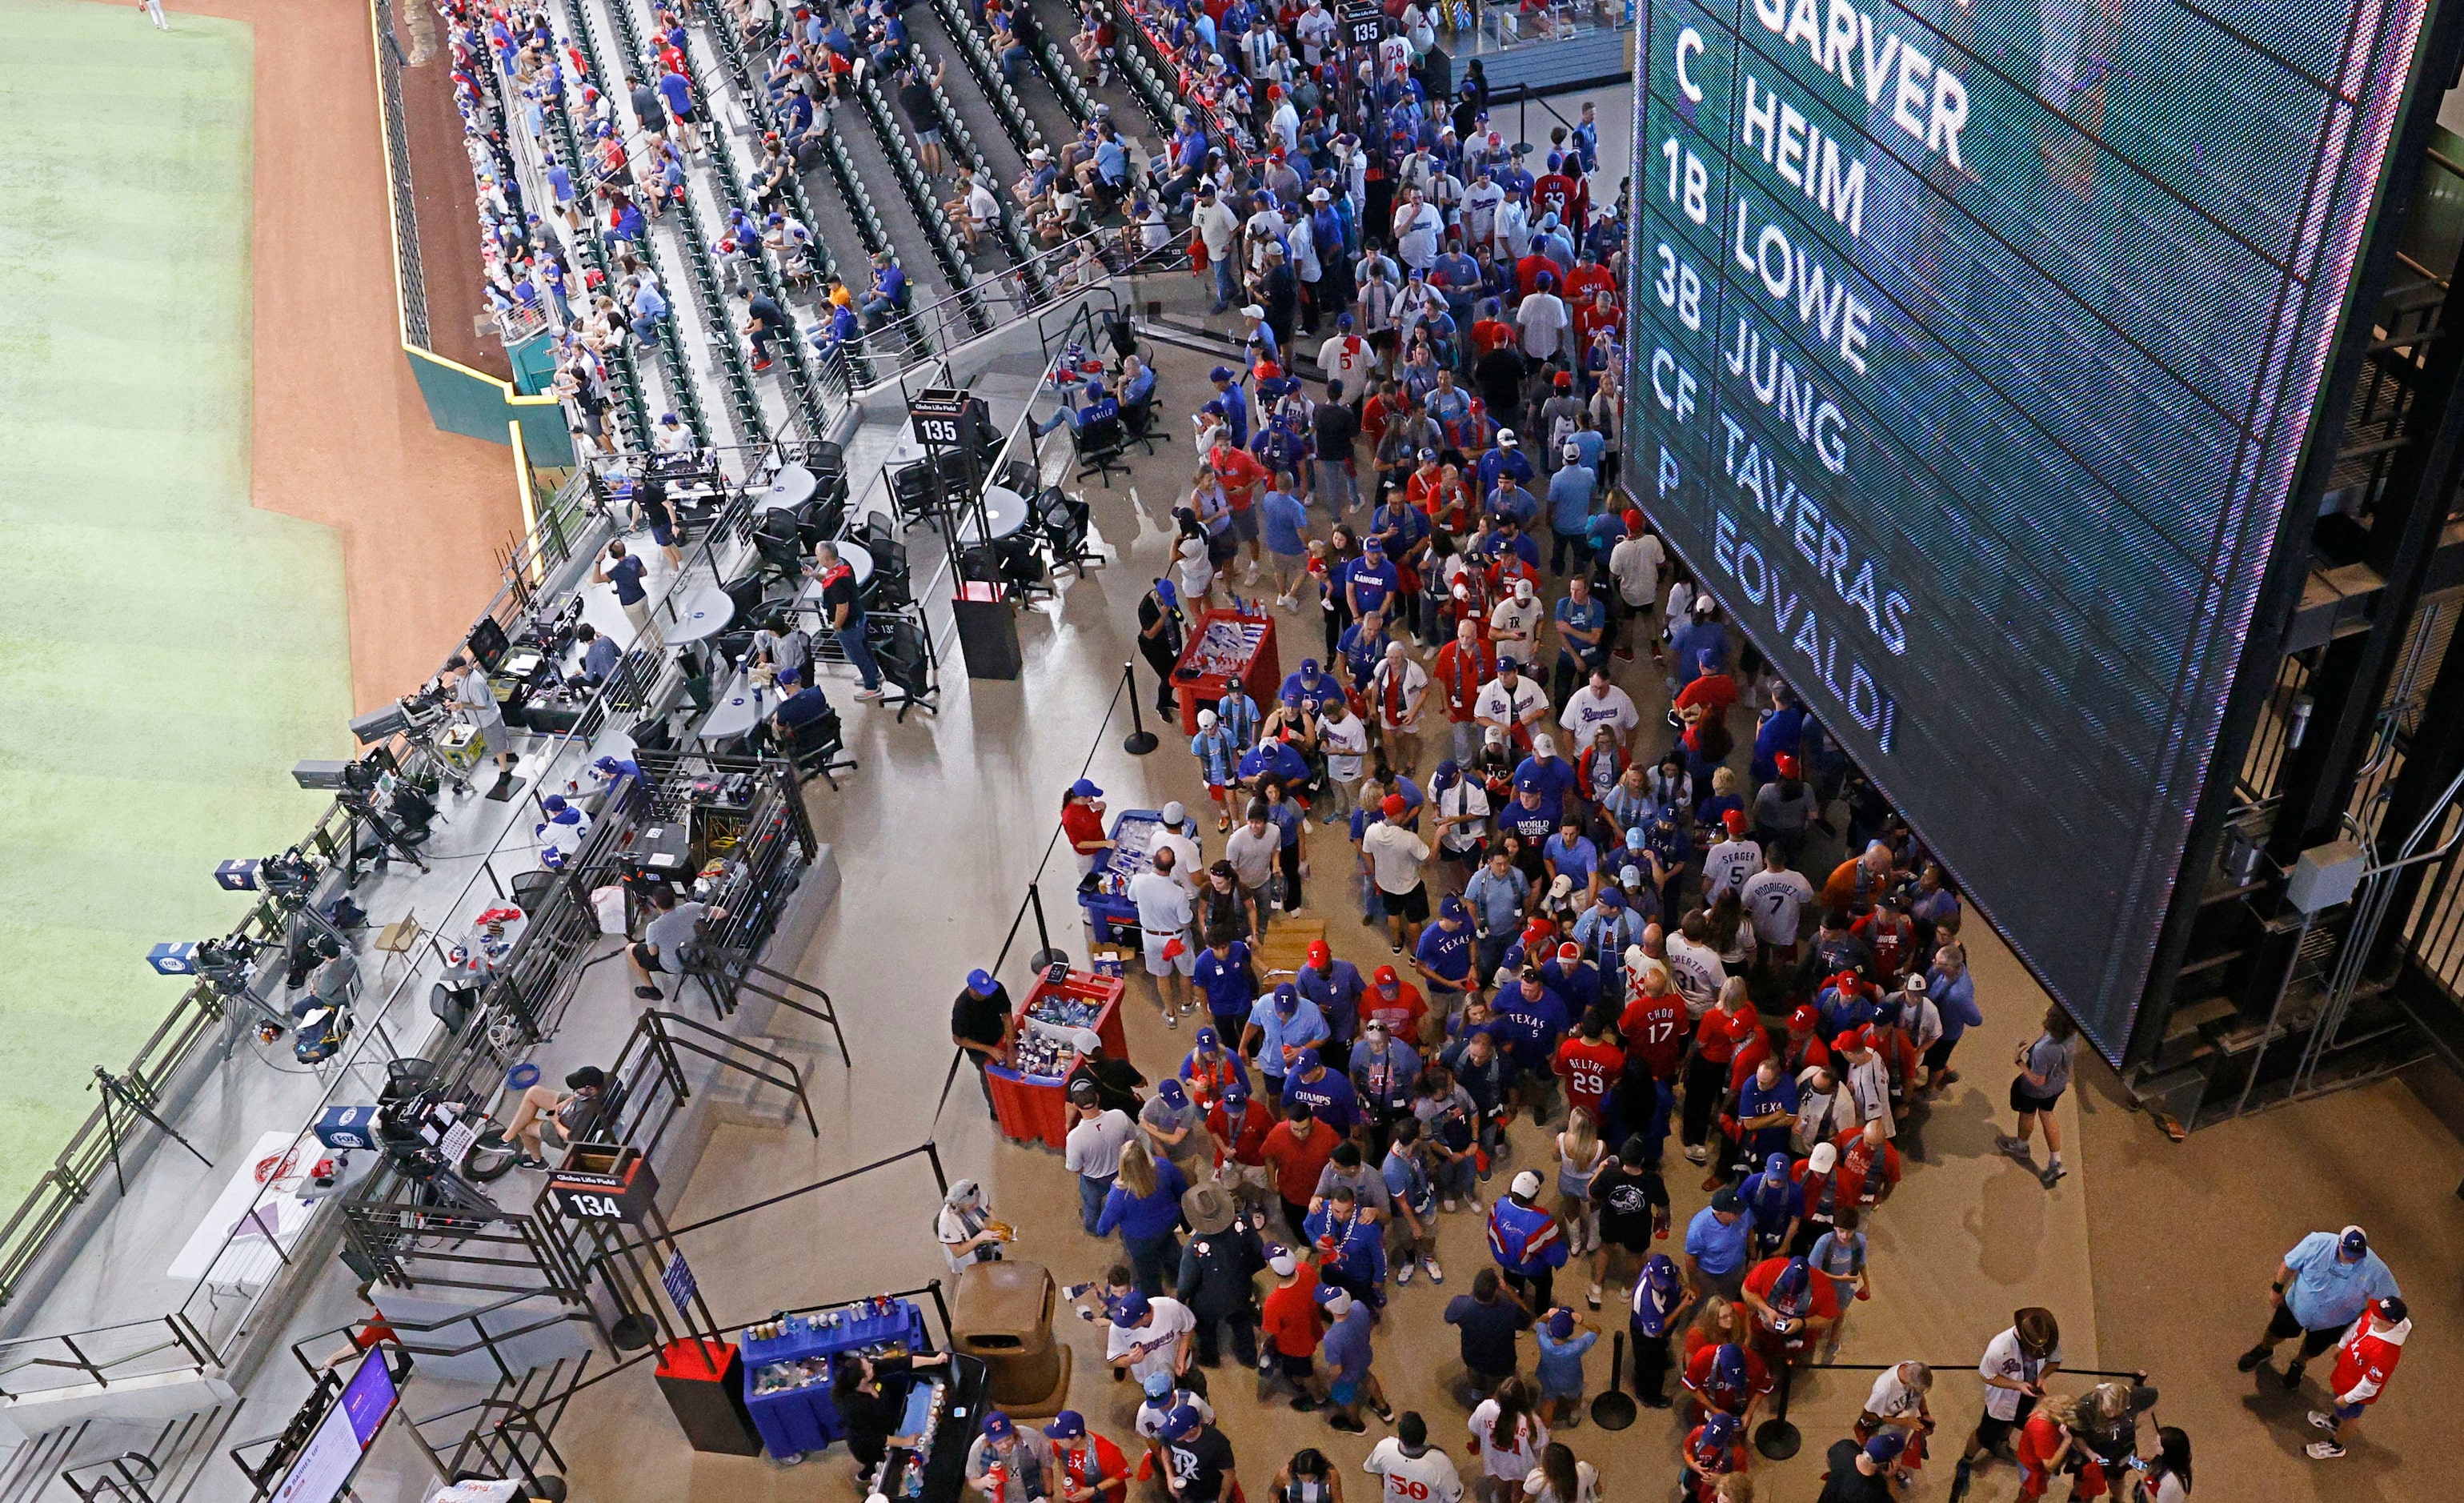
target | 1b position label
[{"x": 1973, "y": 349}]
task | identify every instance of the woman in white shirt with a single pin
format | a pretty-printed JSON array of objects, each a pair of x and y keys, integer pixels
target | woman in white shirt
[
  {"x": 1508, "y": 1437},
  {"x": 966, "y": 1229},
  {"x": 1560, "y": 1478},
  {"x": 2168, "y": 1477}
]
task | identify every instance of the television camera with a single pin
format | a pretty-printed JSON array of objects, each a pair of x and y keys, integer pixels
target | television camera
[{"x": 443, "y": 1148}]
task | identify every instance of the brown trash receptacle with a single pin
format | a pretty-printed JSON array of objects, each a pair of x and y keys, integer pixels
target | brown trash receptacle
[{"x": 1002, "y": 1314}]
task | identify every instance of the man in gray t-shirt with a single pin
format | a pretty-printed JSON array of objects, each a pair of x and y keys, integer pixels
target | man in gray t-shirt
[
  {"x": 1175, "y": 1126},
  {"x": 1252, "y": 851},
  {"x": 2044, "y": 1075},
  {"x": 661, "y": 950}
]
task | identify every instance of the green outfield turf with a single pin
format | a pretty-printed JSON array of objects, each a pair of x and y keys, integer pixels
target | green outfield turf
[{"x": 166, "y": 652}]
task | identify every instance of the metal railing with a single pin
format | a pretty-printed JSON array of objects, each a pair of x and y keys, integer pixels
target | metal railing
[
  {"x": 930, "y": 335},
  {"x": 410, "y": 281},
  {"x": 569, "y": 528}
]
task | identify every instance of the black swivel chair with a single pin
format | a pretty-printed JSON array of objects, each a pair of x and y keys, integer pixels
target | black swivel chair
[
  {"x": 890, "y": 589},
  {"x": 877, "y": 533},
  {"x": 1100, "y": 443},
  {"x": 1138, "y": 425},
  {"x": 916, "y": 492},
  {"x": 746, "y": 592},
  {"x": 780, "y": 541},
  {"x": 1065, "y": 522},
  {"x": 818, "y": 748}
]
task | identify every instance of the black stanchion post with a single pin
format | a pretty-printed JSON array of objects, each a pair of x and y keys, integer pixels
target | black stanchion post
[
  {"x": 1775, "y": 1437},
  {"x": 1047, "y": 955},
  {"x": 1141, "y": 741}
]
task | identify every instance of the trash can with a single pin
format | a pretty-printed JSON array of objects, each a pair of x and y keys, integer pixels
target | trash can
[{"x": 1003, "y": 1314}]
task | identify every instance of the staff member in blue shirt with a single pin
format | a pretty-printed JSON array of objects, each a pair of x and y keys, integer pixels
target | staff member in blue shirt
[
  {"x": 1283, "y": 1031},
  {"x": 1223, "y": 975},
  {"x": 2326, "y": 1281}
]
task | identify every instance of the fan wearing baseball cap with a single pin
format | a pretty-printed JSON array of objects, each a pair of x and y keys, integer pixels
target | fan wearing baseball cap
[
  {"x": 2365, "y": 1361},
  {"x": 1336, "y": 988},
  {"x": 1089, "y": 1467},
  {"x": 979, "y": 1024},
  {"x": 1397, "y": 857},
  {"x": 1200, "y": 1461},
  {"x": 1861, "y": 1474},
  {"x": 1734, "y": 858},
  {"x": 2321, "y": 1287},
  {"x": 1082, "y": 820},
  {"x": 1398, "y": 1004},
  {"x": 1008, "y": 1464},
  {"x": 1527, "y": 1241}
]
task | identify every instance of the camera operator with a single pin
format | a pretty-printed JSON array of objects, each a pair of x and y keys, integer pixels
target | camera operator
[
  {"x": 329, "y": 986},
  {"x": 575, "y": 1110},
  {"x": 661, "y": 949},
  {"x": 476, "y": 698}
]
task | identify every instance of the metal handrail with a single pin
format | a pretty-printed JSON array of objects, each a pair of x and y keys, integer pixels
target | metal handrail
[
  {"x": 408, "y": 278},
  {"x": 920, "y": 325}
]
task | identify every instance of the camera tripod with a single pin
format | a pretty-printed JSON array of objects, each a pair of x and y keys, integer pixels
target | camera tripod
[
  {"x": 439, "y": 1190},
  {"x": 391, "y": 841},
  {"x": 422, "y": 737},
  {"x": 128, "y": 1098}
]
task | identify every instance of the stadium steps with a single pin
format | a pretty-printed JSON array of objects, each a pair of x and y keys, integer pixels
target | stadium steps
[
  {"x": 848, "y": 368},
  {"x": 942, "y": 240},
  {"x": 684, "y": 388},
  {"x": 716, "y": 339}
]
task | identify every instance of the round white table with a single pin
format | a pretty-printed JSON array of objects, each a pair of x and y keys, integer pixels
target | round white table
[
  {"x": 702, "y": 612},
  {"x": 855, "y": 555},
  {"x": 792, "y": 487},
  {"x": 738, "y": 711},
  {"x": 1005, "y": 509}
]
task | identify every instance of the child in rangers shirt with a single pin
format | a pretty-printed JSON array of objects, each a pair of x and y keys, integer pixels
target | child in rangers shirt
[{"x": 2364, "y": 1359}]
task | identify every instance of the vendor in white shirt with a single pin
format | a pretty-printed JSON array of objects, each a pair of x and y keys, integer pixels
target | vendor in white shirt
[{"x": 1164, "y": 914}]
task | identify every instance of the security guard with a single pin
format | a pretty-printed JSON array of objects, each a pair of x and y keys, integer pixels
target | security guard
[{"x": 1218, "y": 1266}]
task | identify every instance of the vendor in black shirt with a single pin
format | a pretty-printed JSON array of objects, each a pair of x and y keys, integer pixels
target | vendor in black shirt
[
  {"x": 979, "y": 1024},
  {"x": 1199, "y": 1457},
  {"x": 1159, "y": 642},
  {"x": 871, "y": 1396},
  {"x": 1116, "y": 1081}
]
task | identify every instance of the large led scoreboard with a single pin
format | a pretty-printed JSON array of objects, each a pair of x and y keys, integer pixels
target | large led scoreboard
[{"x": 1974, "y": 349}]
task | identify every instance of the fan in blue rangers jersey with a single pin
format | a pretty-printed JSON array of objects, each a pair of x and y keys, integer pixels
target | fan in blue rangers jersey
[
  {"x": 1530, "y": 1019},
  {"x": 1528, "y": 1241},
  {"x": 1351, "y": 1247},
  {"x": 1225, "y": 977}
]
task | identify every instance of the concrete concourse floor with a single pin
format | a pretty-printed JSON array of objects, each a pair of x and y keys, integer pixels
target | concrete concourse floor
[{"x": 2153, "y": 1256}]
